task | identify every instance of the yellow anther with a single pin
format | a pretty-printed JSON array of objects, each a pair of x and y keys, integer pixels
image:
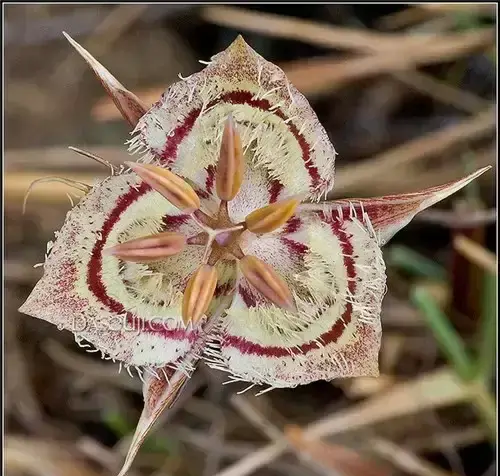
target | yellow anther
[
  {"x": 267, "y": 219},
  {"x": 177, "y": 191},
  {"x": 149, "y": 248},
  {"x": 265, "y": 280},
  {"x": 199, "y": 293},
  {"x": 230, "y": 167}
]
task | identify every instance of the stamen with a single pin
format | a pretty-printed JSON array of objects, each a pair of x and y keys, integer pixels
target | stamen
[
  {"x": 229, "y": 173},
  {"x": 265, "y": 280},
  {"x": 230, "y": 229},
  {"x": 199, "y": 293},
  {"x": 149, "y": 248},
  {"x": 203, "y": 220},
  {"x": 223, "y": 213},
  {"x": 173, "y": 188},
  {"x": 267, "y": 219}
]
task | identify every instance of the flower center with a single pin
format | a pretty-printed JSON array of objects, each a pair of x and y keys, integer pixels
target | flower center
[
  {"x": 220, "y": 236},
  {"x": 223, "y": 238}
]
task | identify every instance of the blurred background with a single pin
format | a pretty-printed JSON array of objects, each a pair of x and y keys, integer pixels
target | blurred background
[{"x": 419, "y": 116}]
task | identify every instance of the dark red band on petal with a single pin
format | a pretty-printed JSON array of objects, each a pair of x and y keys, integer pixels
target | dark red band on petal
[
  {"x": 94, "y": 272},
  {"x": 179, "y": 133},
  {"x": 247, "y": 296},
  {"x": 201, "y": 193},
  {"x": 95, "y": 264},
  {"x": 209, "y": 182},
  {"x": 292, "y": 225},
  {"x": 275, "y": 189},
  {"x": 247, "y": 347},
  {"x": 173, "y": 222},
  {"x": 223, "y": 289},
  {"x": 169, "y": 153},
  {"x": 347, "y": 250},
  {"x": 294, "y": 247}
]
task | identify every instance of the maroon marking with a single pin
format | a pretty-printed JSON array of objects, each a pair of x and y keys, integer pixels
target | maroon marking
[
  {"x": 347, "y": 251},
  {"x": 169, "y": 153},
  {"x": 94, "y": 273},
  {"x": 175, "y": 221},
  {"x": 384, "y": 211},
  {"x": 292, "y": 225},
  {"x": 209, "y": 182},
  {"x": 95, "y": 264},
  {"x": 247, "y": 296},
  {"x": 223, "y": 289},
  {"x": 275, "y": 189},
  {"x": 67, "y": 275},
  {"x": 94, "y": 270},
  {"x": 202, "y": 194},
  {"x": 247, "y": 347},
  {"x": 294, "y": 247}
]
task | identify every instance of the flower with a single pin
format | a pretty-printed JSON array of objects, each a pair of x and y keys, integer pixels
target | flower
[{"x": 216, "y": 244}]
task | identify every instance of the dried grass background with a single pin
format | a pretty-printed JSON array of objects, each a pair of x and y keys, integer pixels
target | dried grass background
[{"x": 418, "y": 116}]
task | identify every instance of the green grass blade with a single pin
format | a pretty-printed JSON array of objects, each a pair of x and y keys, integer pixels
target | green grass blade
[
  {"x": 488, "y": 329},
  {"x": 117, "y": 423},
  {"x": 448, "y": 339},
  {"x": 484, "y": 403},
  {"x": 412, "y": 262}
]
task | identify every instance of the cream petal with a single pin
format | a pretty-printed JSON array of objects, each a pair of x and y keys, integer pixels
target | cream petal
[
  {"x": 328, "y": 254},
  {"x": 130, "y": 311},
  {"x": 335, "y": 269},
  {"x": 342, "y": 269},
  {"x": 281, "y": 136}
]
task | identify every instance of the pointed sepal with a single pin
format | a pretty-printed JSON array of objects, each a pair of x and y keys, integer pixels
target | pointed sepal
[
  {"x": 388, "y": 214},
  {"x": 160, "y": 392},
  {"x": 163, "y": 386},
  {"x": 130, "y": 106}
]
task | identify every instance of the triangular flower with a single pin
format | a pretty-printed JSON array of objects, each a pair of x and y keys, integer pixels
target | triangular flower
[{"x": 201, "y": 249}]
